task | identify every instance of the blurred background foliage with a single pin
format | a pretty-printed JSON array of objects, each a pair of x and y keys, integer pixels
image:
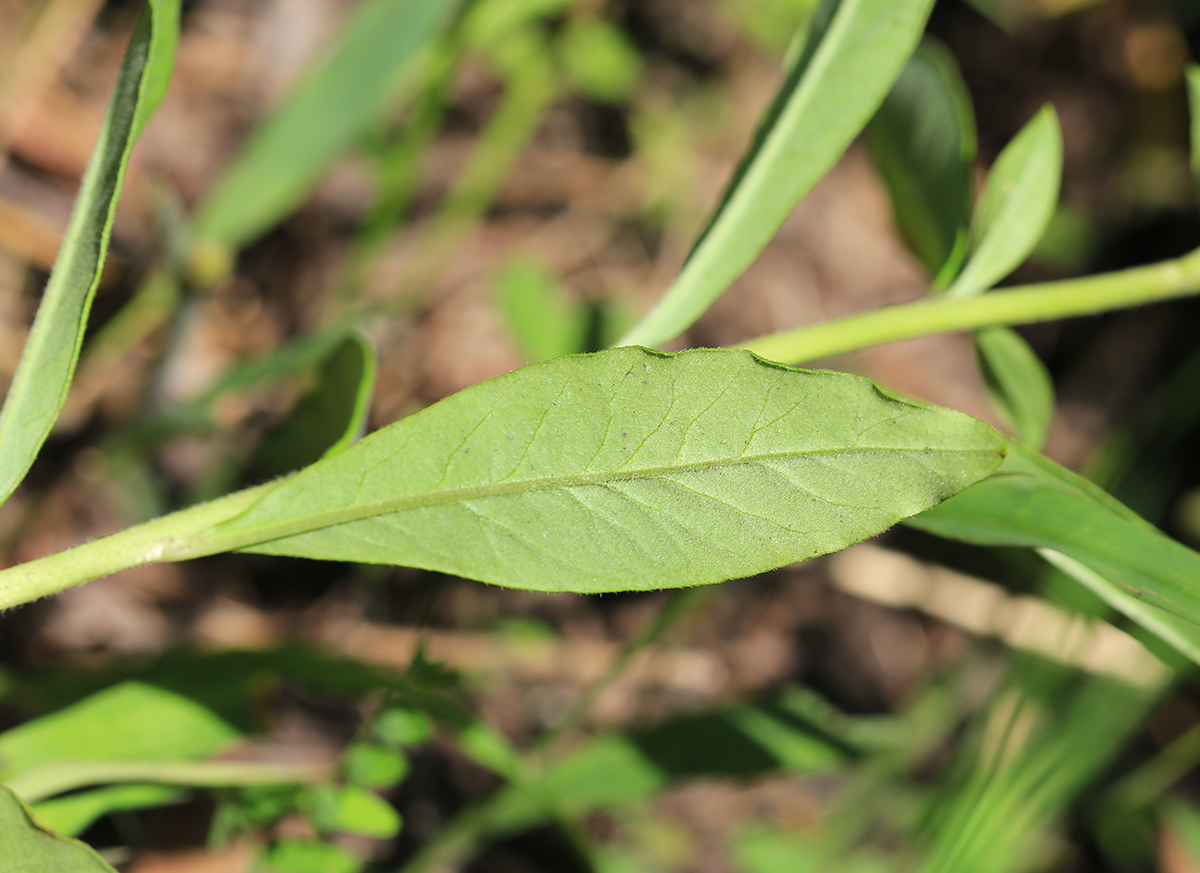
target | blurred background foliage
[{"x": 426, "y": 194}]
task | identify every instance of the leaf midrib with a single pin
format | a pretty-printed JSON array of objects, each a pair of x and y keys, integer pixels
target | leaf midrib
[{"x": 269, "y": 531}]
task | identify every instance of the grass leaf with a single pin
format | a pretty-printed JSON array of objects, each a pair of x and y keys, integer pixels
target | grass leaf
[
  {"x": 854, "y": 52},
  {"x": 1017, "y": 204},
  {"x": 1017, "y": 381},
  {"x": 923, "y": 141},
  {"x": 320, "y": 119},
  {"x": 1032, "y": 502},
  {"x": 47, "y": 365},
  {"x": 25, "y": 847},
  {"x": 629, "y": 469}
]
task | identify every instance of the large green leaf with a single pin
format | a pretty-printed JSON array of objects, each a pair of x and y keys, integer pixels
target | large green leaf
[
  {"x": 629, "y": 469},
  {"x": 288, "y": 153},
  {"x": 1017, "y": 204},
  {"x": 855, "y": 50},
  {"x": 27, "y": 848},
  {"x": 1035, "y": 503},
  {"x": 923, "y": 140},
  {"x": 40, "y": 385}
]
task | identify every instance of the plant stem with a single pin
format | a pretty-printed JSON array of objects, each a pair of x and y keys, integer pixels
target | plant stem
[
  {"x": 1046, "y": 301},
  {"x": 55, "y": 778},
  {"x": 144, "y": 544}
]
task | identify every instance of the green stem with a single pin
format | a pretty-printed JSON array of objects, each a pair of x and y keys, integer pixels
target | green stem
[
  {"x": 1047, "y": 301},
  {"x": 144, "y": 544},
  {"x": 42, "y": 782}
]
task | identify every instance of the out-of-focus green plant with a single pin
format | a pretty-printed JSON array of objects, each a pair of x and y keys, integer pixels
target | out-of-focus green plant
[{"x": 624, "y": 469}]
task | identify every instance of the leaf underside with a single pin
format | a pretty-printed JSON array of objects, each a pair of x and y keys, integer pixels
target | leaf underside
[{"x": 627, "y": 470}]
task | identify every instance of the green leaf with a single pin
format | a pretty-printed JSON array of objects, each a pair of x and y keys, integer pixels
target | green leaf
[
  {"x": 141, "y": 723},
  {"x": 599, "y": 60},
  {"x": 543, "y": 321},
  {"x": 855, "y": 50},
  {"x": 329, "y": 417},
  {"x": 374, "y": 766},
  {"x": 1032, "y": 502},
  {"x": 72, "y": 814},
  {"x": 40, "y": 385},
  {"x": 1018, "y": 382},
  {"x": 623, "y": 470},
  {"x": 295, "y": 856},
  {"x": 923, "y": 141},
  {"x": 25, "y": 847},
  {"x": 320, "y": 119},
  {"x": 1193, "y": 87},
  {"x": 352, "y": 810},
  {"x": 1017, "y": 204}
]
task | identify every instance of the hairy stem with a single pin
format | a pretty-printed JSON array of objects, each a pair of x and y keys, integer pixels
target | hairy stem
[
  {"x": 145, "y": 544},
  {"x": 1047, "y": 301}
]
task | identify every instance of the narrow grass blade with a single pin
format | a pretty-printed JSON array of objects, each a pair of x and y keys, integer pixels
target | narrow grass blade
[
  {"x": 855, "y": 50},
  {"x": 331, "y": 416},
  {"x": 624, "y": 470},
  {"x": 1017, "y": 205},
  {"x": 288, "y": 153},
  {"x": 47, "y": 365},
  {"x": 25, "y": 847},
  {"x": 924, "y": 144},
  {"x": 1017, "y": 381},
  {"x": 1045, "y": 742},
  {"x": 1032, "y": 502}
]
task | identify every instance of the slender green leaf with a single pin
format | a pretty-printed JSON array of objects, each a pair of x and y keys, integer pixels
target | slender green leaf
[
  {"x": 320, "y": 119},
  {"x": 1193, "y": 86},
  {"x": 624, "y": 470},
  {"x": 1017, "y": 205},
  {"x": 542, "y": 319},
  {"x": 923, "y": 140},
  {"x": 1018, "y": 382},
  {"x": 72, "y": 814},
  {"x": 1033, "y": 502},
  {"x": 40, "y": 385},
  {"x": 141, "y": 723},
  {"x": 329, "y": 417},
  {"x": 854, "y": 51},
  {"x": 25, "y": 847}
]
